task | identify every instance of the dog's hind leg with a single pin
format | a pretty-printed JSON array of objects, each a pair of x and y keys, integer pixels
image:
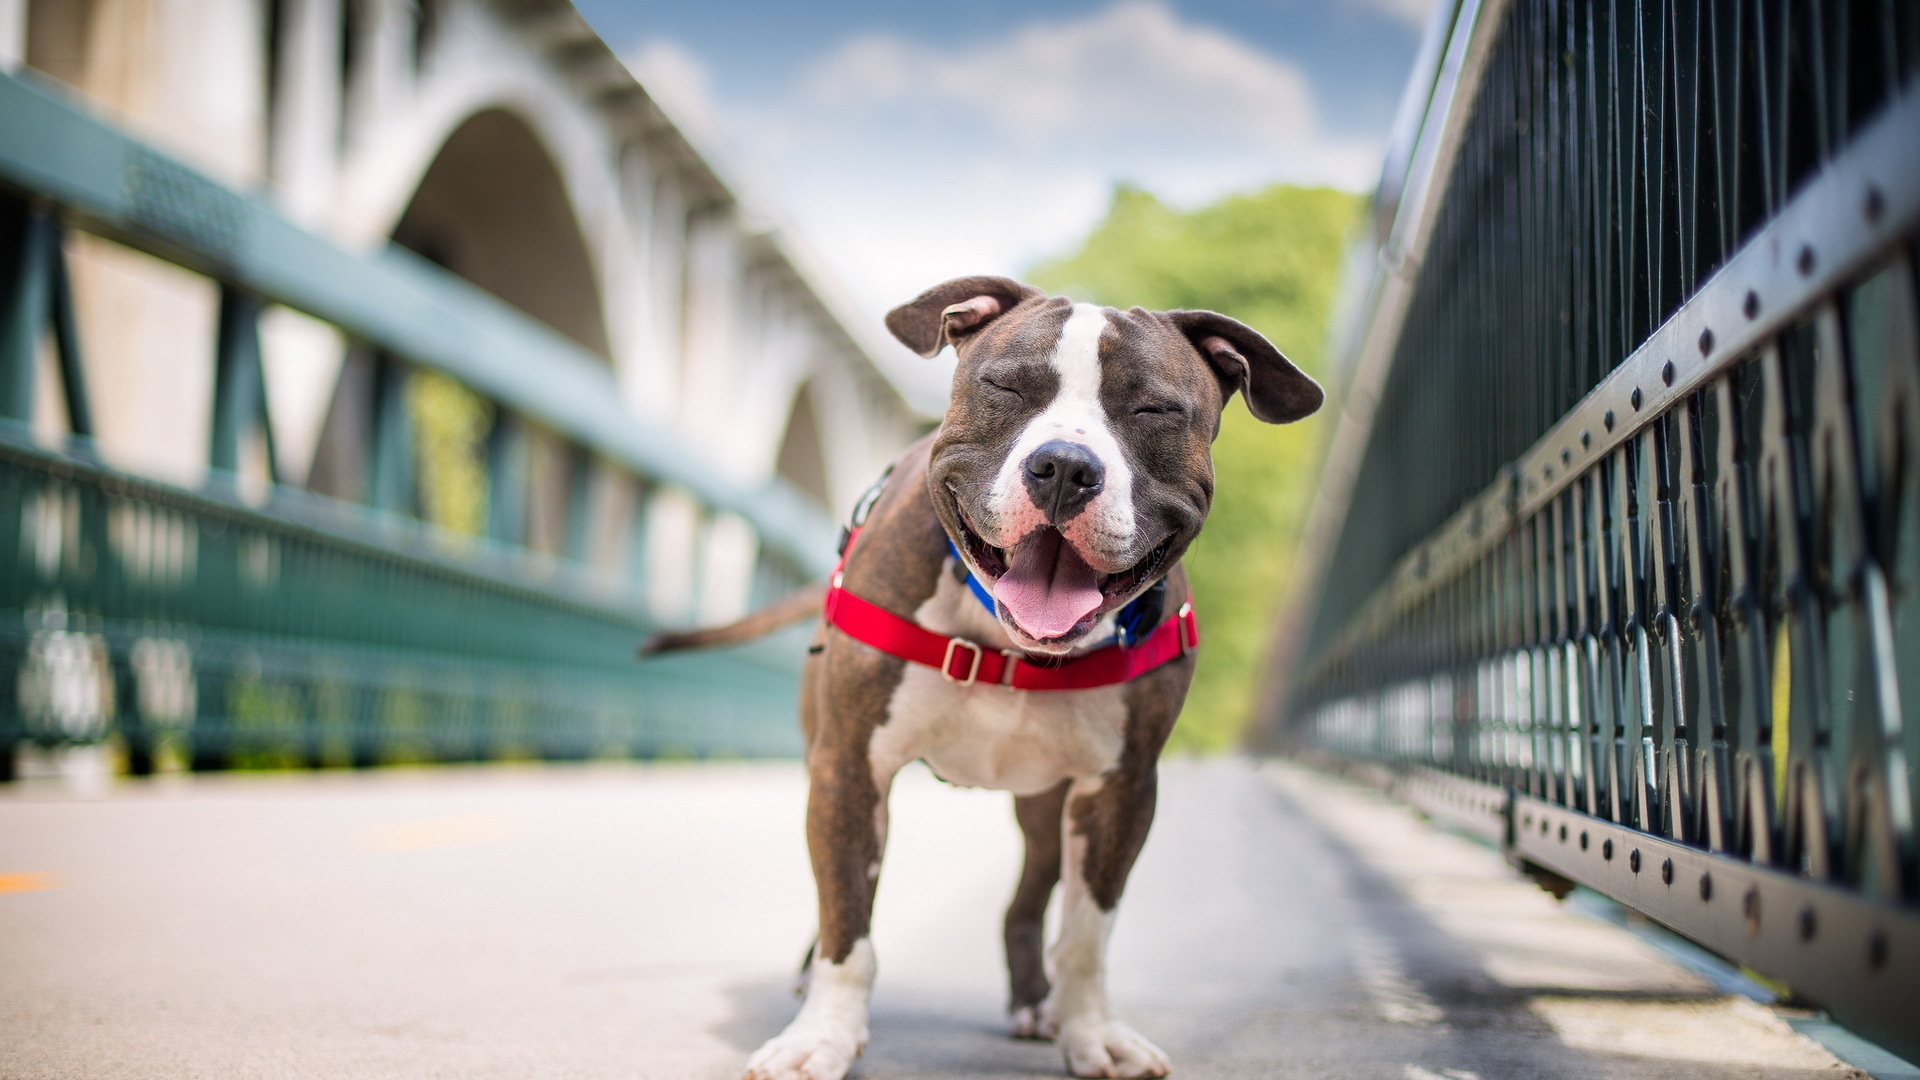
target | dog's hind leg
[{"x": 1025, "y": 933}]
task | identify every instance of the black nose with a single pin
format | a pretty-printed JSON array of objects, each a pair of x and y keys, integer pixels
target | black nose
[{"x": 1062, "y": 478}]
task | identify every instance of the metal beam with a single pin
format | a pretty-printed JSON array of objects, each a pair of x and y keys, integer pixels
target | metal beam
[{"x": 1858, "y": 959}]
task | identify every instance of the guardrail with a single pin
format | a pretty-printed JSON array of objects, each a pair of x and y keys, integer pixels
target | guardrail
[
  {"x": 1620, "y": 553},
  {"x": 281, "y": 627}
]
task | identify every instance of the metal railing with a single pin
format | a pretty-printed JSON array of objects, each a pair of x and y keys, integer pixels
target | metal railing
[
  {"x": 1619, "y": 559},
  {"x": 281, "y": 627}
]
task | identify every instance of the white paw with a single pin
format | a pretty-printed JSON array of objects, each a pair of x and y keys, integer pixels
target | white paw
[
  {"x": 1032, "y": 1022},
  {"x": 1109, "y": 1048},
  {"x": 809, "y": 1053}
]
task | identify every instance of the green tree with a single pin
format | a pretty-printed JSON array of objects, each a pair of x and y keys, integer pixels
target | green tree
[{"x": 1272, "y": 260}]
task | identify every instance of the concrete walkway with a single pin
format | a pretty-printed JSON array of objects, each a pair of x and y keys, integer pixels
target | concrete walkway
[{"x": 645, "y": 921}]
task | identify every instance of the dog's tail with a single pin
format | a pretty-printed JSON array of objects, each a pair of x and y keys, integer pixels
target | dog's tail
[{"x": 791, "y": 608}]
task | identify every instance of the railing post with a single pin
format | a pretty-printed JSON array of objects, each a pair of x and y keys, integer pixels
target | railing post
[
  {"x": 27, "y": 237},
  {"x": 363, "y": 747},
  {"x": 66, "y": 337},
  {"x": 210, "y": 737},
  {"x": 239, "y": 389},
  {"x": 577, "y": 544},
  {"x": 136, "y": 735},
  {"x": 11, "y": 657},
  {"x": 391, "y": 488},
  {"x": 22, "y": 312},
  {"x": 507, "y": 480}
]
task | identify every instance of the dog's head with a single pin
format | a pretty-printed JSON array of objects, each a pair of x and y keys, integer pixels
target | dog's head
[{"x": 1074, "y": 464}]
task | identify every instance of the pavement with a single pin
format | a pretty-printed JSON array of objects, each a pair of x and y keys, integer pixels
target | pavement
[{"x": 645, "y": 921}]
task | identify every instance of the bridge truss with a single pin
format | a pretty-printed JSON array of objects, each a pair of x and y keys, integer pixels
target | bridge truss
[{"x": 1617, "y": 556}]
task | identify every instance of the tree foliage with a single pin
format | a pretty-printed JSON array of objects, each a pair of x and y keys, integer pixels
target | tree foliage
[{"x": 1272, "y": 260}]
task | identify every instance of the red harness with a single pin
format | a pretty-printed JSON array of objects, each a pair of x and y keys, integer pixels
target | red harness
[{"x": 967, "y": 662}]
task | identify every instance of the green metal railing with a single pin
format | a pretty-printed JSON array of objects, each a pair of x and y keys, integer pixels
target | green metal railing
[
  {"x": 288, "y": 628},
  {"x": 1620, "y": 559}
]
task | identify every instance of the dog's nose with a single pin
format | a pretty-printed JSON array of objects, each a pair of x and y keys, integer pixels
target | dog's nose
[{"x": 1062, "y": 478}]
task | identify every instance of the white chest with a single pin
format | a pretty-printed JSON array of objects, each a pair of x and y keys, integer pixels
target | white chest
[{"x": 1023, "y": 741}]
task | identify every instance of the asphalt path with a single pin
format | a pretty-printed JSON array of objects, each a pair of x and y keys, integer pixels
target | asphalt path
[{"x": 645, "y": 921}]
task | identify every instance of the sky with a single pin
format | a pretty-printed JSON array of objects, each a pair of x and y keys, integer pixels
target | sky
[{"x": 907, "y": 143}]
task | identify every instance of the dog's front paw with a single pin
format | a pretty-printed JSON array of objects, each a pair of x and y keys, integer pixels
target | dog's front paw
[
  {"x": 806, "y": 1053},
  {"x": 1109, "y": 1048},
  {"x": 1032, "y": 1022}
]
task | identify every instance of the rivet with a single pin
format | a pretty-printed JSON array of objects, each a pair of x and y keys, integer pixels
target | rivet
[
  {"x": 1566, "y": 456},
  {"x": 1633, "y": 399},
  {"x": 1706, "y": 886},
  {"x": 1752, "y": 306},
  {"x": 1805, "y": 261},
  {"x": 1666, "y": 373},
  {"x": 1877, "y": 950},
  {"x": 1750, "y": 907},
  {"x": 1543, "y": 826},
  {"x": 1563, "y": 833},
  {"x": 1546, "y": 472},
  {"x": 1583, "y": 839},
  {"x": 1607, "y": 420},
  {"x": 1875, "y": 206},
  {"x": 1529, "y": 820},
  {"x": 1586, "y": 439},
  {"x": 1666, "y": 871},
  {"x": 1706, "y": 342},
  {"x": 1606, "y": 849},
  {"x": 1808, "y": 924},
  {"x": 1633, "y": 860}
]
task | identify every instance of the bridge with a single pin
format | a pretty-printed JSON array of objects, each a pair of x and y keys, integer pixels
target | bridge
[
  {"x": 492, "y": 347},
  {"x": 318, "y": 451}
]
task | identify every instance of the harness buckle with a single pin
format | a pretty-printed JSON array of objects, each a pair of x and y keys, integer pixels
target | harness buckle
[
  {"x": 1189, "y": 629},
  {"x": 1011, "y": 657},
  {"x": 946, "y": 662}
]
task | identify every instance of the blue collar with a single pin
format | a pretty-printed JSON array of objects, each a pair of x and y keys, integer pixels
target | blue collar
[{"x": 1131, "y": 624}]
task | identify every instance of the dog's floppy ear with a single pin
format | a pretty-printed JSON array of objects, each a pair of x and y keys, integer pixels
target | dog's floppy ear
[
  {"x": 1276, "y": 391},
  {"x": 953, "y": 309}
]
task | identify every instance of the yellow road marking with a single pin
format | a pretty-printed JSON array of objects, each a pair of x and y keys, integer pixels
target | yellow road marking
[
  {"x": 422, "y": 834},
  {"x": 28, "y": 882}
]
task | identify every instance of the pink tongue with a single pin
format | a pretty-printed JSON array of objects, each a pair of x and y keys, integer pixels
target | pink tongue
[{"x": 1049, "y": 588}]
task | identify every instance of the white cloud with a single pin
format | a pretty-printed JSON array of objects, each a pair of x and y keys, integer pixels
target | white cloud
[
  {"x": 1133, "y": 70},
  {"x": 1414, "y": 13}
]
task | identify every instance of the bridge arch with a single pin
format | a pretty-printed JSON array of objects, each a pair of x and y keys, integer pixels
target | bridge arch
[{"x": 494, "y": 208}]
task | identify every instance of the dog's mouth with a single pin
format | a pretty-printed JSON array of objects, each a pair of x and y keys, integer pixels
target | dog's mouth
[{"x": 1047, "y": 589}]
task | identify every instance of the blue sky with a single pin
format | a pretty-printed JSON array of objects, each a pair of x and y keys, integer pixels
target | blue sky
[{"x": 907, "y": 143}]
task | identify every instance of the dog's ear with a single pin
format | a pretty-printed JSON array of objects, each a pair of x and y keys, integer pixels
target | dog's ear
[
  {"x": 953, "y": 309},
  {"x": 1276, "y": 391}
]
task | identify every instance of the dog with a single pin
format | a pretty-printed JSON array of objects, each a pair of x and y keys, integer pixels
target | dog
[{"x": 1044, "y": 518}]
